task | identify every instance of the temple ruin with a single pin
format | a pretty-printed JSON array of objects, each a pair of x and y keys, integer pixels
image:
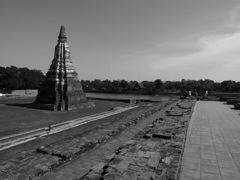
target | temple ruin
[{"x": 61, "y": 89}]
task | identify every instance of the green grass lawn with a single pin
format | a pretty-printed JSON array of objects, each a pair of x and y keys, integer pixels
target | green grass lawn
[{"x": 15, "y": 119}]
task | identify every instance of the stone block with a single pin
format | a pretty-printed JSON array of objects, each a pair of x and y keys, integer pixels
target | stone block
[
  {"x": 123, "y": 165},
  {"x": 98, "y": 167},
  {"x": 162, "y": 136},
  {"x": 167, "y": 160},
  {"x": 174, "y": 113},
  {"x": 152, "y": 162},
  {"x": 110, "y": 157},
  {"x": 92, "y": 175},
  {"x": 233, "y": 101},
  {"x": 237, "y": 106},
  {"x": 135, "y": 168}
]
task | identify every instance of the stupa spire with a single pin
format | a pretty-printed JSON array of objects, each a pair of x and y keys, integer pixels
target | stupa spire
[
  {"x": 61, "y": 89},
  {"x": 62, "y": 34}
]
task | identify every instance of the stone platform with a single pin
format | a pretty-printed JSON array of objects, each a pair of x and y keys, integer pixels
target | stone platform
[{"x": 212, "y": 149}]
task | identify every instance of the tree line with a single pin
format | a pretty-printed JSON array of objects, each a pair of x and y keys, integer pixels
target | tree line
[
  {"x": 158, "y": 86},
  {"x": 12, "y": 78}
]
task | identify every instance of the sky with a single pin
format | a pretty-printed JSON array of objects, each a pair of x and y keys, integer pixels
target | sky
[{"x": 126, "y": 39}]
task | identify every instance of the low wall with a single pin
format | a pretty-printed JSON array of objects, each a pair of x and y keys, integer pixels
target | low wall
[
  {"x": 32, "y": 92},
  {"x": 222, "y": 94}
]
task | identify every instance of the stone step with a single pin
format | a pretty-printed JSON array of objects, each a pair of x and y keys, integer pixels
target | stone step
[
  {"x": 225, "y": 98},
  {"x": 237, "y": 106},
  {"x": 233, "y": 101}
]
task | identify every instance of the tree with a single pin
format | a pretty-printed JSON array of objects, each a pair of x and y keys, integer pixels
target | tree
[
  {"x": 12, "y": 79},
  {"x": 216, "y": 87},
  {"x": 158, "y": 83},
  {"x": 208, "y": 85},
  {"x": 107, "y": 85},
  {"x": 227, "y": 85},
  {"x": 183, "y": 84},
  {"x": 31, "y": 79},
  {"x": 150, "y": 87},
  {"x": 2, "y": 77},
  {"x": 169, "y": 86},
  {"x": 177, "y": 85},
  {"x": 20, "y": 78},
  {"x": 86, "y": 85},
  {"x": 236, "y": 87},
  {"x": 124, "y": 84},
  {"x": 116, "y": 85},
  {"x": 97, "y": 84}
]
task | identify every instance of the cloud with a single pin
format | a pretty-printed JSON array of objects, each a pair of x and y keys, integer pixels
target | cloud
[
  {"x": 215, "y": 56},
  {"x": 218, "y": 56},
  {"x": 181, "y": 46},
  {"x": 234, "y": 17}
]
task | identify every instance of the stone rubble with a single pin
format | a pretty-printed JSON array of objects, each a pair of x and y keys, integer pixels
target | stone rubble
[
  {"x": 233, "y": 101},
  {"x": 73, "y": 146},
  {"x": 174, "y": 113},
  {"x": 149, "y": 155},
  {"x": 33, "y": 164},
  {"x": 30, "y": 165},
  {"x": 237, "y": 106},
  {"x": 184, "y": 106}
]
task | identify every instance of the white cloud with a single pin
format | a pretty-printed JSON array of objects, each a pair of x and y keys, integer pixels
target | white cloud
[
  {"x": 215, "y": 56},
  {"x": 219, "y": 59}
]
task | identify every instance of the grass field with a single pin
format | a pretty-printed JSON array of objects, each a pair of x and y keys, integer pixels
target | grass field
[{"x": 15, "y": 119}]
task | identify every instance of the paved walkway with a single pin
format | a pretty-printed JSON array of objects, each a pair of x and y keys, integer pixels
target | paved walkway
[{"x": 212, "y": 148}]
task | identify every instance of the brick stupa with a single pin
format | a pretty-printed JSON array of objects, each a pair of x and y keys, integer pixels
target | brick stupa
[{"x": 61, "y": 89}]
